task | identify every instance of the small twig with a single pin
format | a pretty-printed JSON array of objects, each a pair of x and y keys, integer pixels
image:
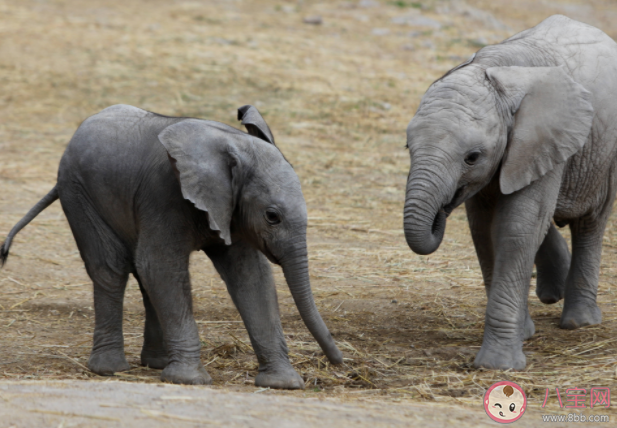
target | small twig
[
  {"x": 239, "y": 341},
  {"x": 74, "y": 361},
  {"x": 15, "y": 281},
  {"x": 215, "y": 358},
  {"x": 135, "y": 376},
  {"x": 74, "y": 415},
  {"x": 157, "y": 413},
  {"x": 19, "y": 303}
]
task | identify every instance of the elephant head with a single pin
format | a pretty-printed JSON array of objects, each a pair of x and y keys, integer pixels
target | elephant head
[
  {"x": 478, "y": 121},
  {"x": 248, "y": 189}
]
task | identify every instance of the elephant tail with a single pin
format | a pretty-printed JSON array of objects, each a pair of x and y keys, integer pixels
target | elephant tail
[{"x": 34, "y": 211}]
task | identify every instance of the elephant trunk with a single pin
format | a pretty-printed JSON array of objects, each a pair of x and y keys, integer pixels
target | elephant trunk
[
  {"x": 295, "y": 269},
  {"x": 428, "y": 196}
]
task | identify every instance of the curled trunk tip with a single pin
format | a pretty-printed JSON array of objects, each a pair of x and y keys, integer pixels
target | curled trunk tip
[
  {"x": 424, "y": 223},
  {"x": 426, "y": 240}
]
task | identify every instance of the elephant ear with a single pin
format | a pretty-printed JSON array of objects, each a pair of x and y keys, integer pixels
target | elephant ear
[
  {"x": 552, "y": 121},
  {"x": 205, "y": 164},
  {"x": 255, "y": 123}
]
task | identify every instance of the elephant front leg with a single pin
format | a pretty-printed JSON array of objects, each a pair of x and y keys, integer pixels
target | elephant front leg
[
  {"x": 249, "y": 280},
  {"x": 580, "y": 307},
  {"x": 165, "y": 280},
  {"x": 520, "y": 224},
  {"x": 505, "y": 325},
  {"x": 480, "y": 213}
]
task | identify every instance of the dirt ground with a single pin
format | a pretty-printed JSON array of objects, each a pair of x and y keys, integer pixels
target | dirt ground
[
  {"x": 134, "y": 404},
  {"x": 338, "y": 97}
]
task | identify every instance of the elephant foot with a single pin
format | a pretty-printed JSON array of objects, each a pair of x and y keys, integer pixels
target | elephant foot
[
  {"x": 108, "y": 362},
  {"x": 530, "y": 329},
  {"x": 279, "y": 378},
  {"x": 500, "y": 358},
  {"x": 549, "y": 291},
  {"x": 186, "y": 374},
  {"x": 154, "y": 359},
  {"x": 580, "y": 315}
]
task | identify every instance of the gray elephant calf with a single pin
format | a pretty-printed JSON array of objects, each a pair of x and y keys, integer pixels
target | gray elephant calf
[
  {"x": 523, "y": 133},
  {"x": 142, "y": 191}
]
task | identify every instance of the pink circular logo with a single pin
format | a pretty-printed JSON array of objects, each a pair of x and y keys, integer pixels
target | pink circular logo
[{"x": 505, "y": 402}]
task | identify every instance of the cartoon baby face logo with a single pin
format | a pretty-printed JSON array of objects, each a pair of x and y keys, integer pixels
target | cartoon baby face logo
[{"x": 505, "y": 402}]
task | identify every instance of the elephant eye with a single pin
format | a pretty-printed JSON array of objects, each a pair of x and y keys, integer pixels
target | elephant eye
[
  {"x": 472, "y": 158},
  {"x": 512, "y": 407},
  {"x": 272, "y": 217}
]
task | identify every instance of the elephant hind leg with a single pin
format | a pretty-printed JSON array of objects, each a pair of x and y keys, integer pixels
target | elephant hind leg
[
  {"x": 108, "y": 263},
  {"x": 552, "y": 263},
  {"x": 153, "y": 353},
  {"x": 580, "y": 307}
]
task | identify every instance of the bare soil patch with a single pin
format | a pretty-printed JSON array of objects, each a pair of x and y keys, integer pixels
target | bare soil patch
[{"x": 338, "y": 97}]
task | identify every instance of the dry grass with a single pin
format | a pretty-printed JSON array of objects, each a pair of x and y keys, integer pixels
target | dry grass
[{"x": 338, "y": 98}]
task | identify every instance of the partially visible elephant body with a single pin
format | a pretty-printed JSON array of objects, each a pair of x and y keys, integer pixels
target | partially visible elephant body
[
  {"x": 523, "y": 133},
  {"x": 142, "y": 191},
  {"x": 588, "y": 176}
]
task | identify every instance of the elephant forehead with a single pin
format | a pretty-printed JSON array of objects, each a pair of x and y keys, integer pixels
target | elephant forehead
[
  {"x": 444, "y": 130},
  {"x": 456, "y": 104},
  {"x": 264, "y": 153},
  {"x": 272, "y": 172},
  {"x": 464, "y": 92},
  {"x": 285, "y": 183}
]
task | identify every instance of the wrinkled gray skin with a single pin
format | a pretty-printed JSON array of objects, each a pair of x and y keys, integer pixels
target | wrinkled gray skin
[
  {"x": 142, "y": 191},
  {"x": 523, "y": 134}
]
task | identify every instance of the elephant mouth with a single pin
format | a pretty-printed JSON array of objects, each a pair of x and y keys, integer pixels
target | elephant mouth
[
  {"x": 457, "y": 199},
  {"x": 439, "y": 222},
  {"x": 266, "y": 251}
]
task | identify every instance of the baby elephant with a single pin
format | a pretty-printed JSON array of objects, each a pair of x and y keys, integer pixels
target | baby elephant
[
  {"x": 142, "y": 191},
  {"x": 524, "y": 133}
]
